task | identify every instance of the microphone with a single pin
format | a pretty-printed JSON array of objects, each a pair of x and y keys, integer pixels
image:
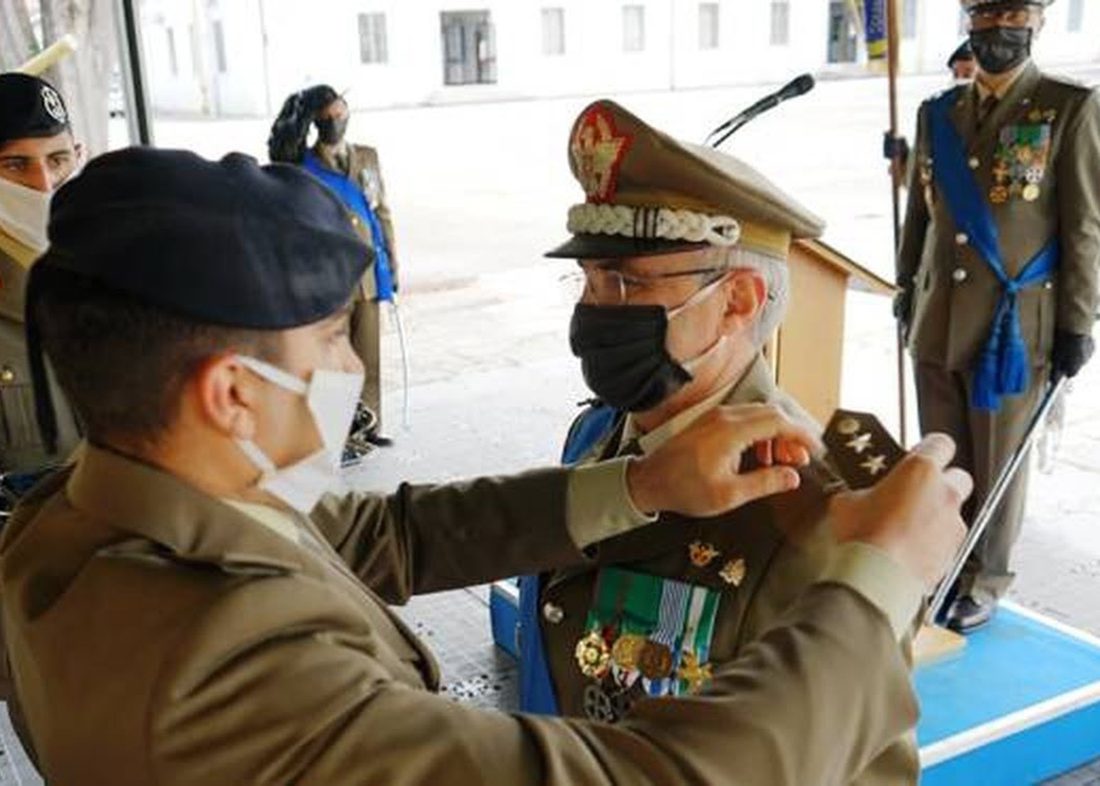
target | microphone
[{"x": 800, "y": 85}]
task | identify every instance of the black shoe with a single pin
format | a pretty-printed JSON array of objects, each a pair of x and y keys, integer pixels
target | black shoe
[
  {"x": 378, "y": 440},
  {"x": 967, "y": 614}
]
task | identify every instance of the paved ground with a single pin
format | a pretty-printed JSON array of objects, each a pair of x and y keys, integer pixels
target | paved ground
[{"x": 479, "y": 191}]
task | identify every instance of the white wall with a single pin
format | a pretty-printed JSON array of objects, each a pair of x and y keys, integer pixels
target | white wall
[{"x": 318, "y": 41}]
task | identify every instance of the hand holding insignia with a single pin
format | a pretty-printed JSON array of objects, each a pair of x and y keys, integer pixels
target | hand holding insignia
[
  {"x": 699, "y": 472},
  {"x": 912, "y": 513}
]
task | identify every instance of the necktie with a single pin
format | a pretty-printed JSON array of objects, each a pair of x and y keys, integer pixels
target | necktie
[{"x": 986, "y": 108}]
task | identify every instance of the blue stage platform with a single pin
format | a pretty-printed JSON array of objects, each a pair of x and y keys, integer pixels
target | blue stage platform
[{"x": 1019, "y": 704}]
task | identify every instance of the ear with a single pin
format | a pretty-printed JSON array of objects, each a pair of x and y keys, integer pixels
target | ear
[
  {"x": 227, "y": 396},
  {"x": 746, "y": 292},
  {"x": 78, "y": 148}
]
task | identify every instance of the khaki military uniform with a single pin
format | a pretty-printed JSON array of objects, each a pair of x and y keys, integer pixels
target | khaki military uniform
[
  {"x": 955, "y": 294},
  {"x": 361, "y": 164},
  {"x": 224, "y": 643},
  {"x": 767, "y": 554},
  {"x": 21, "y": 446}
]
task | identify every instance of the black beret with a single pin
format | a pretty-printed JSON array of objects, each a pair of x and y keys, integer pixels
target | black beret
[
  {"x": 962, "y": 52},
  {"x": 228, "y": 242},
  {"x": 29, "y": 107}
]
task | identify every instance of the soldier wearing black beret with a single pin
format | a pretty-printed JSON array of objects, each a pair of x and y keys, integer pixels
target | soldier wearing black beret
[
  {"x": 37, "y": 154},
  {"x": 196, "y": 600}
]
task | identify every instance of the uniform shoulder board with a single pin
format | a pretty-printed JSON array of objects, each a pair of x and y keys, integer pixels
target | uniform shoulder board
[{"x": 1068, "y": 83}]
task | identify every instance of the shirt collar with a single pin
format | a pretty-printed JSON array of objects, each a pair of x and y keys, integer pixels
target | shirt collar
[
  {"x": 984, "y": 92},
  {"x": 754, "y": 385}
]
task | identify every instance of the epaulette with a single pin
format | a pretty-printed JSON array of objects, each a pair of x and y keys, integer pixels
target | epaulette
[{"x": 1073, "y": 85}]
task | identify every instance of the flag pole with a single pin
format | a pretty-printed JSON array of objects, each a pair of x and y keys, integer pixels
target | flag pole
[{"x": 896, "y": 169}]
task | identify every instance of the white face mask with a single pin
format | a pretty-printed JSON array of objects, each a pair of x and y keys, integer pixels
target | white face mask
[
  {"x": 332, "y": 397},
  {"x": 24, "y": 213}
]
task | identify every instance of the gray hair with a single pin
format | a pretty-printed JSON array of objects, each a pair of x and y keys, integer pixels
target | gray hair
[{"x": 777, "y": 282}]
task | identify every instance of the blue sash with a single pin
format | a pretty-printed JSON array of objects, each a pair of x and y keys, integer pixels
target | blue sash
[
  {"x": 536, "y": 689},
  {"x": 354, "y": 200},
  {"x": 1002, "y": 368}
]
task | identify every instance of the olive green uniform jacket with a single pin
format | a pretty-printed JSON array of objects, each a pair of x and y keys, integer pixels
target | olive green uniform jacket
[
  {"x": 785, "y": 547},
  {"x": 362, "y": 166},
  {"x": 160, "y": 636},
  {"x": 955, "y": 294},
  {"x": 21, "y": 445}
]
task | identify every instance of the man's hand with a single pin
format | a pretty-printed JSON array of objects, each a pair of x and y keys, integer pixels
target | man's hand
[
  {"x": 1070, "y": 353},
  {"x": 903, "y": 307},
  {"x": 913, "y": 513},
  {"x": 698, "y": 472}
]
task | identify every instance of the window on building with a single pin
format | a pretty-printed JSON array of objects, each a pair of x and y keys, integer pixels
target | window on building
[
  {"x": 173, "y": 61},
  {"x": 553, "y": 31},
  {"x": 1076, "y": 15},
  {"x": 909, "y": 19},
  {"x": 469, "y": 48},
  {"x": 781, "y": 23},
  {"x": 372, "y": 38},
  {"x": 219, "y": 47},
  {"x": 193, "y": 39},
  {"x": 708, "y": 25},
  {"x": 633, "y": 28}
]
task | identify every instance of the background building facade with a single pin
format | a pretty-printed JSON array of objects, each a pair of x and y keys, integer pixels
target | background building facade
[{"x": 241, "y": 57}]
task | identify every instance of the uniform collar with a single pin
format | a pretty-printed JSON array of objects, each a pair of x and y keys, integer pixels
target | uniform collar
[
  {"x": 137, "y": 498},
  {"x": 755, "y": 384},
  {"x": 1024, "y": 78}
]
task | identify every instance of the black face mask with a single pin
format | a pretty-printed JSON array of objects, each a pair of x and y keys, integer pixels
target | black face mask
[
  {"x": 1000, "y": 49},
  {"x": 330, "y": 130},
  {"x": 623, "y": 355}
]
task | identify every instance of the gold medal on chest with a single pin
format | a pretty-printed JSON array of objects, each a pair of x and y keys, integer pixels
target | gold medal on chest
[
  {"x": 593, "y": 655},
  {"x": 626, "y": 650},
  {"x": 655, "y": 661},
  {"x": 692, "y": 672},
  {"x": 1031, "y": 192}
]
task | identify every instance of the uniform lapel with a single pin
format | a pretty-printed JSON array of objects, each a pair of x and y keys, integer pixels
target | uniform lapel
[
  {"x": 13, "y": 277},
  {"x": 964, "y": 114}
]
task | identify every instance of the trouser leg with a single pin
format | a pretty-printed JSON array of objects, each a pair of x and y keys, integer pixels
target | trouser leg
[
  {"x": 366, "y": 337},
  {"x": 995, "y": 437}
]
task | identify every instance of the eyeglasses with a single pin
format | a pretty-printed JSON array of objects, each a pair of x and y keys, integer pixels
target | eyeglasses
[
  {"x": 607, "y": 286},
  {"x": 1003, "y": 17}
]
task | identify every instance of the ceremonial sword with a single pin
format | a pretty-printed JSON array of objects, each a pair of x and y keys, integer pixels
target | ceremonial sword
[{"x": 985, "y": 514}]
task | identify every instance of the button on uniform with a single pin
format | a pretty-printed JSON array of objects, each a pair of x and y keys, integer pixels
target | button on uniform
[
  {"x": 958, "y": 275},
  {"x": 961, "y": 239},
  {"x": 552, "y": 613},
  {"x": 7, "y": 375},
  {"x": 973, "y": 163}
]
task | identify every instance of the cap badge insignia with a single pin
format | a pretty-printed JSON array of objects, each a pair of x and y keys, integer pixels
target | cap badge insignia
[
  {"x": 51, "y": 102},
  {"x": 597, "y": 151}
]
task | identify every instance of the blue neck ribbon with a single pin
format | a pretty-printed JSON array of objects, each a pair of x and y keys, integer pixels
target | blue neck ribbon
[
  {"x": 354, "y": 200},
  {"x": 1002, "y": 368}
]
